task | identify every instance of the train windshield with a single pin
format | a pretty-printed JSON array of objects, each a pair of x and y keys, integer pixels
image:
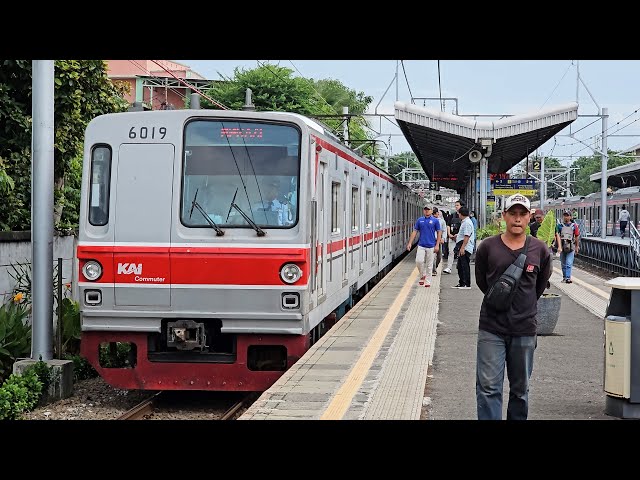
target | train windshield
[{"x": 252, "y": 165}]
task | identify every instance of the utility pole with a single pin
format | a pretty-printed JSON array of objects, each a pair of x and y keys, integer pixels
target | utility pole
[
  {"x": 195, "y": 101},
  {"x": 397, "y": 65},
  {"x": 345, "y": 128},
  {"x": 42, "y": 209},
  {"x": 603, "y": 179},
  {"x": 543, "y": 193}
]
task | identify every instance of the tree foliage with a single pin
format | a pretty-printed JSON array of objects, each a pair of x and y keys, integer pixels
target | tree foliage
[
  {"x": 547, "y": 230},
  {"x": 274, "y": 88},
  {"x": 403, "y": 160},
  {"x": 587, "y": 166},
  {"x": 82, "y": 91}
]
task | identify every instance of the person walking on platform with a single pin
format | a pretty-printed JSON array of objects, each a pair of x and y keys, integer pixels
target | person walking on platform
[
  {"x": 567, "y": 236},
  {"x": 507, "y": 326},
  {"x": 536, "y": 221},
  {"x": 443, "y": 228},
  {"x": 623, "y": 219},
  {"x": 428, "y": 244},
  {"x": 465, "y": 244},
  {"x": 452, "y": 232}
]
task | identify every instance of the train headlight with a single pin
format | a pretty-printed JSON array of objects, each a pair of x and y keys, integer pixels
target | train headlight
[
  {"x": 92, "y": 270},
  {"x": 290, "y": 273}
]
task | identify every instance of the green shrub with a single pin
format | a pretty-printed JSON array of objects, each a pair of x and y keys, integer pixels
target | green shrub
[
  {"x": 488, "y": 231},
  {"x": 71, "y": 328},
  {"x": 82, "y": 369},
  {"x": 20, "y": 393},
  {"x": 15, "y": 336},
  {"x": 44, "y": 372},
  {"x": 118, "y": 358}
]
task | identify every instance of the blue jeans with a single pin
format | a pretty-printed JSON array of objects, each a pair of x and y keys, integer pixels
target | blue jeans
[
  {"x": 493, "y": 351},
  {"x": 566, "y": 262}
]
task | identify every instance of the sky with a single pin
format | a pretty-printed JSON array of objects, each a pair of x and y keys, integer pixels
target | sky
[{"x": 486, "y": 87}]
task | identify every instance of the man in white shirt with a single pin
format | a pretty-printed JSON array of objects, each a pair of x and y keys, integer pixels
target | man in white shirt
[{"x": 623, "y": 219}]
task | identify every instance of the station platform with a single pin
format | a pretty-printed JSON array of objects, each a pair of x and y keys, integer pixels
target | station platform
[
  {"x": 406, "y": 352},
  {"x": 610, "y": 239}
]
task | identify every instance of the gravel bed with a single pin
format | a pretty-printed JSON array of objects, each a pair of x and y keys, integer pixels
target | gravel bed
[{"x": 94, "y": 399}]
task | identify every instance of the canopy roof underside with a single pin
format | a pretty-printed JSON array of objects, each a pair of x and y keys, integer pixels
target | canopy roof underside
[
  {"x": 442, "y": 141},
  {"x": 623, "y": 176}
]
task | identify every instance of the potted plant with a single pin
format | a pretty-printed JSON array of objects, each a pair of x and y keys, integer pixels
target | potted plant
[{"x": 548, "y": 303}]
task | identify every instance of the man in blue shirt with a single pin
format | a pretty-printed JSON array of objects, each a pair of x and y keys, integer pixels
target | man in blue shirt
[{"x": 428, "y": 244}]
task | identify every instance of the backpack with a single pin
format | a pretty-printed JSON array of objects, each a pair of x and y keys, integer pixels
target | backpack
[
  {"x": 455, "y": 226},
  {"x": 567, "y": 237},
  {"x": 500, "y": 295}
]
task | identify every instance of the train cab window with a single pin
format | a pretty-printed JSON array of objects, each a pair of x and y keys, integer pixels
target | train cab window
[
  {"x": 236, "y": 169},
  {"x": 100, "y": 180}
]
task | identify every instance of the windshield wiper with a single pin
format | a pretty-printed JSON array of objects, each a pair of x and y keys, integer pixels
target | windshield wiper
[
  {"x": 259, "y": 231},
  {"x": 195, "y": 204}
]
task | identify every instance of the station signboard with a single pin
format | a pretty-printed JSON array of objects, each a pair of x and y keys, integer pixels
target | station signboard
[{"x": 524, "y": 186}]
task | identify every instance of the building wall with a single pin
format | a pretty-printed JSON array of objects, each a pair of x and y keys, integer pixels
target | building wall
[
  {"x": 132, "y": 68},
  {"x": 15, "y": 252},
  {"x": 128, "y": 70}
]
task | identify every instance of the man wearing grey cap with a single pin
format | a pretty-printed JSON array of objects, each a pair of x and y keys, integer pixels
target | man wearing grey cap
[{"x": 507, "y": 331}]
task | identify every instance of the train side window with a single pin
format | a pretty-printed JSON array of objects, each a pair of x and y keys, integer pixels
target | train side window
[
  {"x": 355, "y": 209},
  {"x": 100, "y": 181},
  {"x": 335, "y": 195},
  {"x": 368, "y": 208}
]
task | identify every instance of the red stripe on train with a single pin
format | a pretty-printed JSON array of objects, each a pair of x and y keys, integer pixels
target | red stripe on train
[
  {"x": 352, "y": 159},
  {"x": 188, "y": 266}
]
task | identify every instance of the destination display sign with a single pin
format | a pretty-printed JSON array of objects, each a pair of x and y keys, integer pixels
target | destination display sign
[{"x": 451, "y": 177}]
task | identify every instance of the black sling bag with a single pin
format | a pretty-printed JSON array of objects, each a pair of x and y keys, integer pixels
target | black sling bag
[{"x": 501, "y": 293}]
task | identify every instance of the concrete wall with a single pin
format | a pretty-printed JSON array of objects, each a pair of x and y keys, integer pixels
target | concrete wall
[{"x": 15, "y": 247}]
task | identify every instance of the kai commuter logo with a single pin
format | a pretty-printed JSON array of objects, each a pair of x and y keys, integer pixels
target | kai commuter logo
[
  {"x": 129, "y": 268},
  {"x": 136, "y": 268}
]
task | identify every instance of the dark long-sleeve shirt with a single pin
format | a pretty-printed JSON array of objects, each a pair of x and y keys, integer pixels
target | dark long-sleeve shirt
[{"x": 493, "y": 257}]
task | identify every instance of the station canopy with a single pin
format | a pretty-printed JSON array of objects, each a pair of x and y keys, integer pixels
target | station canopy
[
  {"x": 623, "y": 176},
  {"x": 442, "y": 141}
]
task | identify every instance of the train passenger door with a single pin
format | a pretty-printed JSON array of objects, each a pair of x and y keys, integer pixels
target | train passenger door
[
  {"x": 143, "y": 224},
  {"x": 347, "y": 229},
  {"x": 374, "y": 225},
  {"x": 324, "y": 206}
]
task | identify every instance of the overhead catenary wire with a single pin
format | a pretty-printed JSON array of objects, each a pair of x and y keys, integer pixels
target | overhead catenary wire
[
  {"x": 192, "y": 87},
  {"x": 142, "y": 68},
  {"x": 557, "y": 85},
  {"x": 600, "y": 134},
  {"x": 615, "y": 131},
  {"x": 440, "y": 88},
  {"x": 406, "y": 79}
]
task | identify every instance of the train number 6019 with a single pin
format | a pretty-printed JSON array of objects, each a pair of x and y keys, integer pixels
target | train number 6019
[{"x": 145, "y": 132}]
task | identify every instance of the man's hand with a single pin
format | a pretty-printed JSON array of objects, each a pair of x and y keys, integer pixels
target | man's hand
[
  {"x": 409, "y": 247},
  {"x": 436, "y": 248}
]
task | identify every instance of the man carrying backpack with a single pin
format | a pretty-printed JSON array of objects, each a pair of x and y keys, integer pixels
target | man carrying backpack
[
  {"x": 452, "y": 233},
  {"x": 567, "y": 236},
  {"x": 507, "y": 328}
]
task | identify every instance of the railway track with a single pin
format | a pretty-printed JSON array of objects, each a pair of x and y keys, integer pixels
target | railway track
[{"x": 146, "y": 408}]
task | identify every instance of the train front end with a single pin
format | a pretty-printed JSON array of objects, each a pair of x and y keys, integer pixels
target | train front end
[{"x": 193, "y": 257}]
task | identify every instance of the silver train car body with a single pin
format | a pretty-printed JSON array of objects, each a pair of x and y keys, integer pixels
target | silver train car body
[{"x": 181, "y": 262}]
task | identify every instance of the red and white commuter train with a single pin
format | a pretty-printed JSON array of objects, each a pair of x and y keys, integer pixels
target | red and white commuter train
[{"x": 216, "y": 246}]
